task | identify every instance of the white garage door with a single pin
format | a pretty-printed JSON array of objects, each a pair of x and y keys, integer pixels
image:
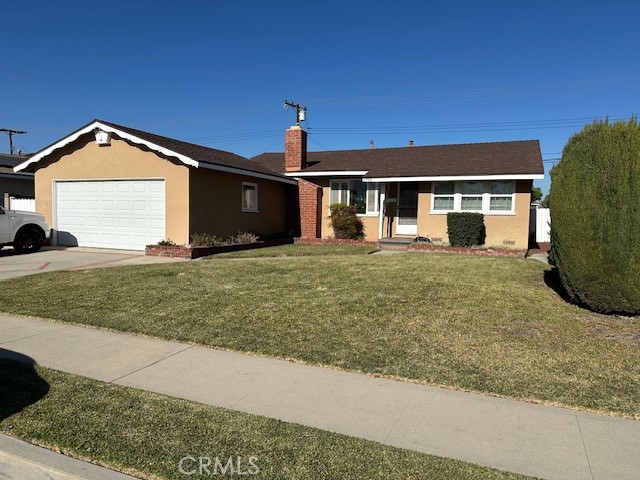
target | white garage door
[{"x": 124, "y": 214}]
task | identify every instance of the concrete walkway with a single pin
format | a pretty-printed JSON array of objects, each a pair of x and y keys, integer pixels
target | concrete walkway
[
  {"x": 13, "y": 265},
  {"x": 536, "y": 440}
]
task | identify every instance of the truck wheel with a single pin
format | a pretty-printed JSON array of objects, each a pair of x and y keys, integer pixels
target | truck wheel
[{"x": 27, "y": 241}]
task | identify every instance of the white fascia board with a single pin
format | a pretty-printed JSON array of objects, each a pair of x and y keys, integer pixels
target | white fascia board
[
  {"x": 90, "y": 128},
  {"x": 339, "y": 173},
  {"x": 527, "y": 176},
  {"x": 247, "y": 173}
]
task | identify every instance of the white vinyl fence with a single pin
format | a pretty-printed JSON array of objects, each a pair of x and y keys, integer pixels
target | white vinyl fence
[
  {"x": 24, "y": 204},
  {"x": 543, "y": 225}
]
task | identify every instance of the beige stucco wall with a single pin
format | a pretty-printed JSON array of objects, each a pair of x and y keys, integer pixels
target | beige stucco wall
[
  {"x": 84, "y": 160},
  {"x": 216, "y": 200},
  {"x": 511, "y": 231},
  {"x": 370, "y": 222}
]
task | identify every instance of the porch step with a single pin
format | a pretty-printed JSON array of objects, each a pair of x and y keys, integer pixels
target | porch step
[{"x": 396, "y": 243}]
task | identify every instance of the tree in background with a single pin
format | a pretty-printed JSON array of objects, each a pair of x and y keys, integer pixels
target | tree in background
[
  {"x": 536, "y": 194},
  {"x": 595, "y": 206},
  {"x": 545, "y": 202}
]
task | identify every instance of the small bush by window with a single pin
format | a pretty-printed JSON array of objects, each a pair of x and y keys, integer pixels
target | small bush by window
[
  {"x": 345, "y": 222},
  {"x": 466, "y": 229}
]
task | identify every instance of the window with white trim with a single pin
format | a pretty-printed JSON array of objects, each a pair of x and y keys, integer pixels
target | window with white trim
[
  {"x": 471, "y": 196},
  {"x": 363, "y": 196},
  {"x": 501, "y": 196},
  {"x": 249, "y": 197},
  {"x": 497, "y": 197},
  {"x": 443, "y": 196}
]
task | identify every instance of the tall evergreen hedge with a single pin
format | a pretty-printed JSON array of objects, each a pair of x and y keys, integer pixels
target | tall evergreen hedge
[{"x": 595, "y": 215}]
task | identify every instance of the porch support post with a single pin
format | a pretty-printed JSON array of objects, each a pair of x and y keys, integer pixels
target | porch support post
[{"x": 382, "y": 187}]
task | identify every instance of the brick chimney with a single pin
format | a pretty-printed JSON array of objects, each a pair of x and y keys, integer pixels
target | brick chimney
[{"x": 295, "y": 149}]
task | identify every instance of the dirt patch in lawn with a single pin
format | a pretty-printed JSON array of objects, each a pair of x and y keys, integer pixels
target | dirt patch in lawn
[{"x": 617, "y": 329}]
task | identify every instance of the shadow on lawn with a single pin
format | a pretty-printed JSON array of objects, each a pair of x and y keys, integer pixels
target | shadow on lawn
[
  {"x": 20, "y": 384},
  {"x": 552, "y": 280}
]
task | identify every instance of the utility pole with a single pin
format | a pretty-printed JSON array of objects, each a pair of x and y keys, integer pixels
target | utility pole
[
  {"x": 11, "y": 133},
  {"x": 301, "y": 112}
]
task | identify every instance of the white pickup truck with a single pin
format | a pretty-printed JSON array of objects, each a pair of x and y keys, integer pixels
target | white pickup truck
[{"x": 25, "y": 231}]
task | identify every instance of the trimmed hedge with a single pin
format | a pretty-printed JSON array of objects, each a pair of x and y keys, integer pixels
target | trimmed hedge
[
  {"x": 466, "y": 229},
  {"x": 595, "y": 210},
  {"x": 345, "y": 222}
]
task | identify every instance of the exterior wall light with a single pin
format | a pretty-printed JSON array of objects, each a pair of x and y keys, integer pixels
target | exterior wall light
[{"x": 102, "y": 137}]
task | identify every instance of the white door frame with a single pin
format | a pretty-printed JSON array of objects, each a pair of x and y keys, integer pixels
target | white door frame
[{"x": 405, "y": 229}]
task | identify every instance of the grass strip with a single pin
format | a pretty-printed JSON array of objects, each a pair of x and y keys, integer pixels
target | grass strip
[
  {"x": 297, "y": 250},
  {"x": 147, "y": 434}
]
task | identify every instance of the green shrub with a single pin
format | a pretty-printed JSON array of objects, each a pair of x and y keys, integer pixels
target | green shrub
[
  {"x": 345, "y": 222},
  {"x": 243, "y": 238},
  {"x": 167, "y": 242},
  {"x": 465, "y": 229},
  {"x": 206, "y": 240},
  {"x": 595, "y": 211}
]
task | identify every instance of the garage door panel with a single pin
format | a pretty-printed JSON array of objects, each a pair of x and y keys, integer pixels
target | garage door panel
[
  {"x": 139, "y": 205},
  {"x": 126, "y": 214}
]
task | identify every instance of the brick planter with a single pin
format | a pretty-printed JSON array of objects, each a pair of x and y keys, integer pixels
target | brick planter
[
  {"x": 421, "y": 247},
  {"x": 185, "y": 251},
  {"x": 334, "y": 241}
]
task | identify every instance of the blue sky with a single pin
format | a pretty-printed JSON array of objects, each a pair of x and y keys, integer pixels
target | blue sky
[{"x": 217, "y": 72}]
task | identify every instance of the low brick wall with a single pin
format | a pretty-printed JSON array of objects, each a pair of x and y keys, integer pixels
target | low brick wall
[
  {"x": 422, "y": 247},
  {"x": 334, "y": 241},
  {"x": 185, "y": 251}
]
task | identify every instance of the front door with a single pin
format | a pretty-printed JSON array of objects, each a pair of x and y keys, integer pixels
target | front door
[{"x": 407, "y": 223}]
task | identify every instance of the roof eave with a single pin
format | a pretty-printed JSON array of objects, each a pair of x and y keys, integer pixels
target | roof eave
[
  {"x": 152, "y": 146},
  {"x": 450, "y": 178},
  {"x": 248, "y": 173},
  {"x": 328, "y": 173},
  {"x": 107, "y": 128}
]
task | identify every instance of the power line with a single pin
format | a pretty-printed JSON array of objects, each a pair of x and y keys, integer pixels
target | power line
[
  {"x": 462, "y": 127},
  {"x": 11, "y": 132},
  {"x": 318, "y": 143}
]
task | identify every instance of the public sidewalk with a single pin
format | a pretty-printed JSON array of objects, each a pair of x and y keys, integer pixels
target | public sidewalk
[{"x": 541, "y": 441}]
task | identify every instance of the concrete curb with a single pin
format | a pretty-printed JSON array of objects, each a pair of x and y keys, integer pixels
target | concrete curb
[{"x": 22, "y": 461}]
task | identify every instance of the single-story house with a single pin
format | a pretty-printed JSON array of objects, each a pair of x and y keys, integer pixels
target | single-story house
[
  {"x": 14, "y": 184},
  {"x": 407, "y": 192},
  {"x": 110, "y": 186}
]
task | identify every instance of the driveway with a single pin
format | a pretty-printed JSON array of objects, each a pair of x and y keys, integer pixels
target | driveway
[{"x": 13, "y": 265}]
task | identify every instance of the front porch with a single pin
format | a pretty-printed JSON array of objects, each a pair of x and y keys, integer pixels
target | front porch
[{"x": 395, "y": 243}]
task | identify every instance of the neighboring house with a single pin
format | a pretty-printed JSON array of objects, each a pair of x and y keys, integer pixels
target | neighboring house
[
  {"x": 111, "y": 186},
  {"x": 406, "y": 192},
  {"x": 14, "y": 184}
]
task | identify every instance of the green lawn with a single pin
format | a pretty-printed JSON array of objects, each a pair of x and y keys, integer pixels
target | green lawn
[
  {"x": 147, "y": 434},
  {"x": 477, "y": 323},
  {"x": 297, "y": 250}
]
